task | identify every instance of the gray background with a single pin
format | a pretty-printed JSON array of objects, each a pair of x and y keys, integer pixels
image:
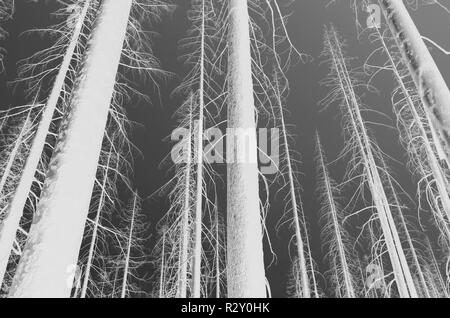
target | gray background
[{"x": 306, "y": 30}]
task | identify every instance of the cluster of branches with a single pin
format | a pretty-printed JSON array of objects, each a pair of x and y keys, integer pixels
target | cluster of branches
[
  {"x": 402, "y": 262},
  {"x": 236, "y": 54},
  {"x": 110, "y": 252},
  {"x": 191, "y": 253}
]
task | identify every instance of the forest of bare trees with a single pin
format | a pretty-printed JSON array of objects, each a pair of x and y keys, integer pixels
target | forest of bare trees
[{"x": 234, "y": 196}]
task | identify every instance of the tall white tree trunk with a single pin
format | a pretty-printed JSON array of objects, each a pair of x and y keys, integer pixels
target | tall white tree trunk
[
  {"x": 217, "y": 254},
  {"x": 300, "y": 244},
  {"x": 196, "y": 275},
  {"x": 129, "y": 246},
  {"x": 57, "y": 231},
  {"x": 430, "y": 84},
  {"x": 93, "y": 244},
  {"x": 245, "y": 259},
  {"x": 343, "y": 276},
  {"x": 412, "y": 249},
  {"x": 403, "y": 277},
  {"x": 434, "y": 94},
  {"x": 14, "y": 153},
  {"x": 431, "y": 161},
  {"x": 14, "y": 213},
  {"x": 163, "y": 271},
  {"x": 185, "y": 227}
]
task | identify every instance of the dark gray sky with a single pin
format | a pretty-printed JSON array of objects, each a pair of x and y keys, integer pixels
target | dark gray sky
[{"x": 306, "y": 29}]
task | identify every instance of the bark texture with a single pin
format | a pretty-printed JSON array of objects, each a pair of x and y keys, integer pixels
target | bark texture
[
  {"x": 245, "y": 261},
  {"x": 10, "y": 224},
  {"x": 430, "y": 84},
  {"x": 56, "y": 234}
]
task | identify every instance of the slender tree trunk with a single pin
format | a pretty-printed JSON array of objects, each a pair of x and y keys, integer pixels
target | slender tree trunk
[
  {"x": 185, "y": 230},
  {"x": 115, "y": 281},
  {"x": 401, "y": 270},
  {"x": 311, "y": 261},
  {"x": 196, "y": 275},
  {"x": 245, "y": 259},
  {"x": 402, "y": 273},
  {"x": 421, "y": 283},
  {"x": 430, "y": 84},
  {"x": 432, "y": 160},
  {"x": 300, "y": 244},
  {"x": 441, "y": 182},
  {"x": 335, "y": 225},
  {"x": 434, "y": 263},
  {"x": 95, "y": 230},
  {"x": 13, "y": 154},
  {"x": 217, "y": 254},
  {"x": 15, "y": 209},
  {"x": 129, "y": 245},
  {"x": 57, "y": 232},
  {"x": 161, "y": 277}
]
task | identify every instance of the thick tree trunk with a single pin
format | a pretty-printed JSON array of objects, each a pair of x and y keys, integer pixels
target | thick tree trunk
[
  {"x": 245, "y": 259},
  {"x": 430, "y": 84},
  {"x": 432, "y": 160},
  {"x": 57, "y": 231},
  {"x": 14, "y": 213}
]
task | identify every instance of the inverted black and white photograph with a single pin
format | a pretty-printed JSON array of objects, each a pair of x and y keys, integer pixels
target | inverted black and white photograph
[{"x": 224, "y": 149}]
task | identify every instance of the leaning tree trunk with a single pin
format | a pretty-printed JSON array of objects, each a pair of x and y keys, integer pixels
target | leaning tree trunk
[
  {"x": 430, "y": 84},
  {"x": 129, "y": 247},
  {"x": 14, "y": 212},
  {"x": 344, "y": 282},
  {"x": 56, "y": 234},
  {"x": 397, "y": 257},
  {"x": 245, "y": 261},
  {"x": 409, "y": 240},
  {"x": 12, "y": 157},
  {"x": 295, "y": 204},
  {"x": 430, "y": 158},
  {"x": 96, "y": 227}
]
